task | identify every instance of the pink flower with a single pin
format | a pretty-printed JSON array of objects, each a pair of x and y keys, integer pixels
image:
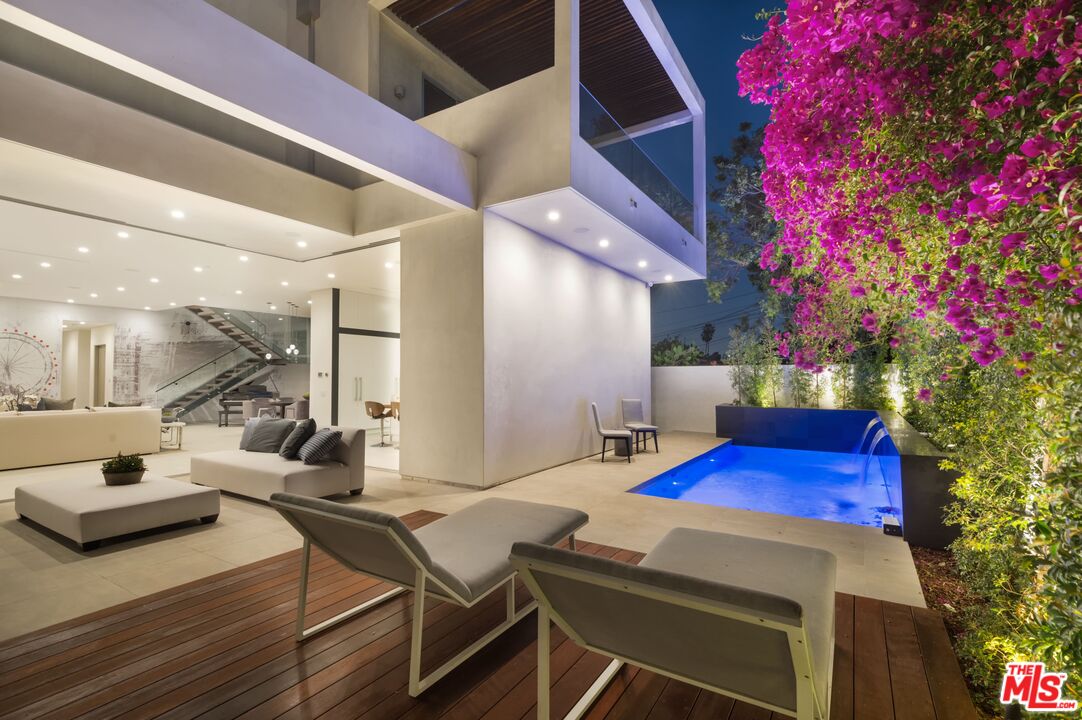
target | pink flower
[
  {"x": 924, "y": 395},
  {"x": 1012, "y": 242}
]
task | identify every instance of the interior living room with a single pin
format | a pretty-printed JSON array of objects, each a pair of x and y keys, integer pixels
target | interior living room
[{"x": 325, "y": 362}]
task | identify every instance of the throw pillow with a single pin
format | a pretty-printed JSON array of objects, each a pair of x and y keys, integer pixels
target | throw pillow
[
  {"x": 268, "y": 436},
  {"x": 301, "y": 434},
  {"x": 23, "y": 407},
  {"x": 50, "y": 404},
  {"x": 116, "y": 404},
  {"x": 246, "y": 435},
  {"x": 320, "y": 446}
]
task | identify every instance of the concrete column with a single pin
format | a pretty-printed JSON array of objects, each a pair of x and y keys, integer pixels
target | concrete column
[{"x": 321, "y": 356}]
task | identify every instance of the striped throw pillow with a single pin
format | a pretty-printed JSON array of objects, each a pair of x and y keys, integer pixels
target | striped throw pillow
[{"x": 319, "y": 447}]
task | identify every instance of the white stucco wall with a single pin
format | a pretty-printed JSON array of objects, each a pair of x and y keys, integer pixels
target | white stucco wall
[
  {"x": 561, "y": 331},
  {"x": 319, "y": 354},
  {"x": 684, "y": 397}
]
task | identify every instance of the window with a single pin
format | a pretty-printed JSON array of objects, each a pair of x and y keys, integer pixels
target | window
[{"x": 434, "y": 98}]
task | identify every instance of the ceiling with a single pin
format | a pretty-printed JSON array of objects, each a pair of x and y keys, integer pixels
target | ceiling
[
  {"x": 50, "y": 206},
  {"x": 582, "y": 226},
  {"x": 500, "y": 41}
]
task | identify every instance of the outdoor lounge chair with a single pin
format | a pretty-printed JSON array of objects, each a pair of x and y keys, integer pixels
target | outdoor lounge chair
[
  {"x": 631, "y": 412},
  {"x": 751, "y": 619},
  {"x": 461, "y": 558},
  {"x": 614, "y": 435}
]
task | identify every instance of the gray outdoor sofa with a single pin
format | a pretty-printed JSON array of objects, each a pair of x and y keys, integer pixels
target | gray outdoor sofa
[
  {"x": 461, "y": 558},
  {"x": 748, "y": 618}
]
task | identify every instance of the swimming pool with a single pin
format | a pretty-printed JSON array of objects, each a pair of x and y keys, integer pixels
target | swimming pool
[{"x": 846, "y": 487}]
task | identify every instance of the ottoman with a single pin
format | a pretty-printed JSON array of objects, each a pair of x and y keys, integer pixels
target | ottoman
[{"x": 87, "y": 510}]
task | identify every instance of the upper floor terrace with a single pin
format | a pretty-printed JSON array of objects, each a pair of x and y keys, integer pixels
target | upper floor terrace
[{"x": 401, "y": 110}]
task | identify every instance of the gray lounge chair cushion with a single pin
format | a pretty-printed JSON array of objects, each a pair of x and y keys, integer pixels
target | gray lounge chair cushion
[
  {"x": 466, "y": 551},
  {"x": 771, "y": 580},
  {"x": 473, "y": 544},
  {"x": 803, "y": 575}
]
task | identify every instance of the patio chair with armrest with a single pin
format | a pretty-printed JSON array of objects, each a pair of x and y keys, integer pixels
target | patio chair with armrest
[
  {"x": 748, "y": 618},
  {"x": 461, "y": 558}
]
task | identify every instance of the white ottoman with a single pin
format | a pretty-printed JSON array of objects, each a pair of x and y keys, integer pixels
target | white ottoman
[{"x": 87, "y": 510}]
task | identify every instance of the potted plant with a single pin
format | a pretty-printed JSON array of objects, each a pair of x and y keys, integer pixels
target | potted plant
[{"x": 123, "y": 469}]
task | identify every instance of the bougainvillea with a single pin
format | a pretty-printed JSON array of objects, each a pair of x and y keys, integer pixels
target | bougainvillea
[{"x": 923, "y": 161}]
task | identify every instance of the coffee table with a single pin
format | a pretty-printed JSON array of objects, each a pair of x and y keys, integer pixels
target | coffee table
[{"x": 87, "y": 511}]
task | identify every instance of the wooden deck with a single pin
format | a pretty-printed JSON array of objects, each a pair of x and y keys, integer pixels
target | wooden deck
[{"x": 223, "y": 647}]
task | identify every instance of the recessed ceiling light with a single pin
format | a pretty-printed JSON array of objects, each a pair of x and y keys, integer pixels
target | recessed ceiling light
[
  {"x": 273, "y": 307},
  {"x": 197, "y": 268},
  {"x": 123, "y": 235},
  {"x": 238, "y": 292},
  {"x": 154, "y": 280},
  {"x": 279, "y": 319},
  {"x": 70, "y": 300},
  {"x": 668, "y": 278},
  {"x": 146, "y": 307},
  {"x": 46, "y": 264},
  {"x": 642, "y": 263},
  {"x": 330, "y": 275},
  {"x": 172, "y": 304},
  {"x": 93, "y": 295},
  {"x": 388, "y": 264},
  {"x": 553, "y": 215},
  {"x": 302, "y": 244},
  {"x": 603, "y": 242},
  {"x": 176, "y": 214},
  {"x": 243, "y": 258},
  {"x": 285, "y": 283},
  {"x": 120, "y": 289},
  {"x": 309, "y": 302},
  {"x": 82, "y": 322},
  {"x": 83, "y": 250},
  {"x": 268, "y": 356},
  {"x": 63, "y": 327},
  {"x": 16, "y": 276},
  {"x": 202, "y": 299}
]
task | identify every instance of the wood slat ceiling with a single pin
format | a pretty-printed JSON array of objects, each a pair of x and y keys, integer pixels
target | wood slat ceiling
[{"x": 501, "y": 41}]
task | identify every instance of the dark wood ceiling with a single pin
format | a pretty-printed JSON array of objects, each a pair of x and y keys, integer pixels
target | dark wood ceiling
[{"x": 501, "y": 41}]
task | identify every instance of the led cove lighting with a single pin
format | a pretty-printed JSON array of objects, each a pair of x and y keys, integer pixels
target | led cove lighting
[
  {"x": 603, "y": 242},
  {"x": 553, "y": 215}
]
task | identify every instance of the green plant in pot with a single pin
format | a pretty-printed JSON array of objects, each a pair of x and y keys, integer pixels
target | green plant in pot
[{"x": 123, "y": 469}]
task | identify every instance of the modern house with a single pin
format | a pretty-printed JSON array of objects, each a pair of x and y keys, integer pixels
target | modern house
[
  {"x": 410, "y": 243},
  {"x": 487, "y": 155}
]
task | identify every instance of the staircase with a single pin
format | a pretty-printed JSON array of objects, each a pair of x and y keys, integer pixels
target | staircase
[{"x": 252, "y": 355}]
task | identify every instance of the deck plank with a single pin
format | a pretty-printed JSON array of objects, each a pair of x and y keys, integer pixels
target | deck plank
[{"x": 223, "y": 647}]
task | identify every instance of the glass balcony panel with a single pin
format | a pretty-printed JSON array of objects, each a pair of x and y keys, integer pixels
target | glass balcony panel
[{"x": 604, "y": 134}]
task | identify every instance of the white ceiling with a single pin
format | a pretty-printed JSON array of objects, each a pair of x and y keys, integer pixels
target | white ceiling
[
  {"x": 582, "y": 226},
  {"x": 31, "y": 235}
]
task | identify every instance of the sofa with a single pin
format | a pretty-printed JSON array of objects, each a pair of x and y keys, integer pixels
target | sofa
[
  {"x": 259, "y": 475},
  {"x": 51, "y": 437}
]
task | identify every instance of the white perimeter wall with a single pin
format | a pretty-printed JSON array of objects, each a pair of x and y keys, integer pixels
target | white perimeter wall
[
  {"x": 561, "y": 331},
  {"x": 684, "y": 397}
]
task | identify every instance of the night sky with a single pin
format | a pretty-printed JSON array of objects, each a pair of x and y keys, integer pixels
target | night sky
[{"x": 711, "y": 36}]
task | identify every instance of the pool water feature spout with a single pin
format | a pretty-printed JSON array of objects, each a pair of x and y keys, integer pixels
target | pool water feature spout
[
  {"x": 859, "y": 449},
  {"x": 876, "y": 439}
]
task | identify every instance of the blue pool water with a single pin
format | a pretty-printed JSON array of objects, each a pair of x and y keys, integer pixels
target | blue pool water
[{"x": 804, "y": 483}]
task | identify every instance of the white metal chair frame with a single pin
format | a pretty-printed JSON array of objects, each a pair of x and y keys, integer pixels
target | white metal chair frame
[
  {"x": 417, "y": 684},
  {"x": 809, "y": 706}
]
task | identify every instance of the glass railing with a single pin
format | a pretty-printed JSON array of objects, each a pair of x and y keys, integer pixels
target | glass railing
[
  {"x": 225, "y": 364},
  {"x": 284, "y": 335},
  {"x": 600, "y": 129}
]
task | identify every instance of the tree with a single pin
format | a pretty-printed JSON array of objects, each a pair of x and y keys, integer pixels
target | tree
[
  {"x": 672, "y": 352},
  {"x": 708, "y": 335}
]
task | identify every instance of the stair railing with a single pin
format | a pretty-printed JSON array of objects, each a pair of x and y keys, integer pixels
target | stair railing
[{"x": 191, "y": 381}]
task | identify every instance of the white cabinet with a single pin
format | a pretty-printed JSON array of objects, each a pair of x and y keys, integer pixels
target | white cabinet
[{"x": 368, "y": 369}]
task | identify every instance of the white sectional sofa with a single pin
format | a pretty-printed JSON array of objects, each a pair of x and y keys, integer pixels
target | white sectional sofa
[
  {"x": 260, "y": 475},
  {"x": 51, "y": 437}
]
